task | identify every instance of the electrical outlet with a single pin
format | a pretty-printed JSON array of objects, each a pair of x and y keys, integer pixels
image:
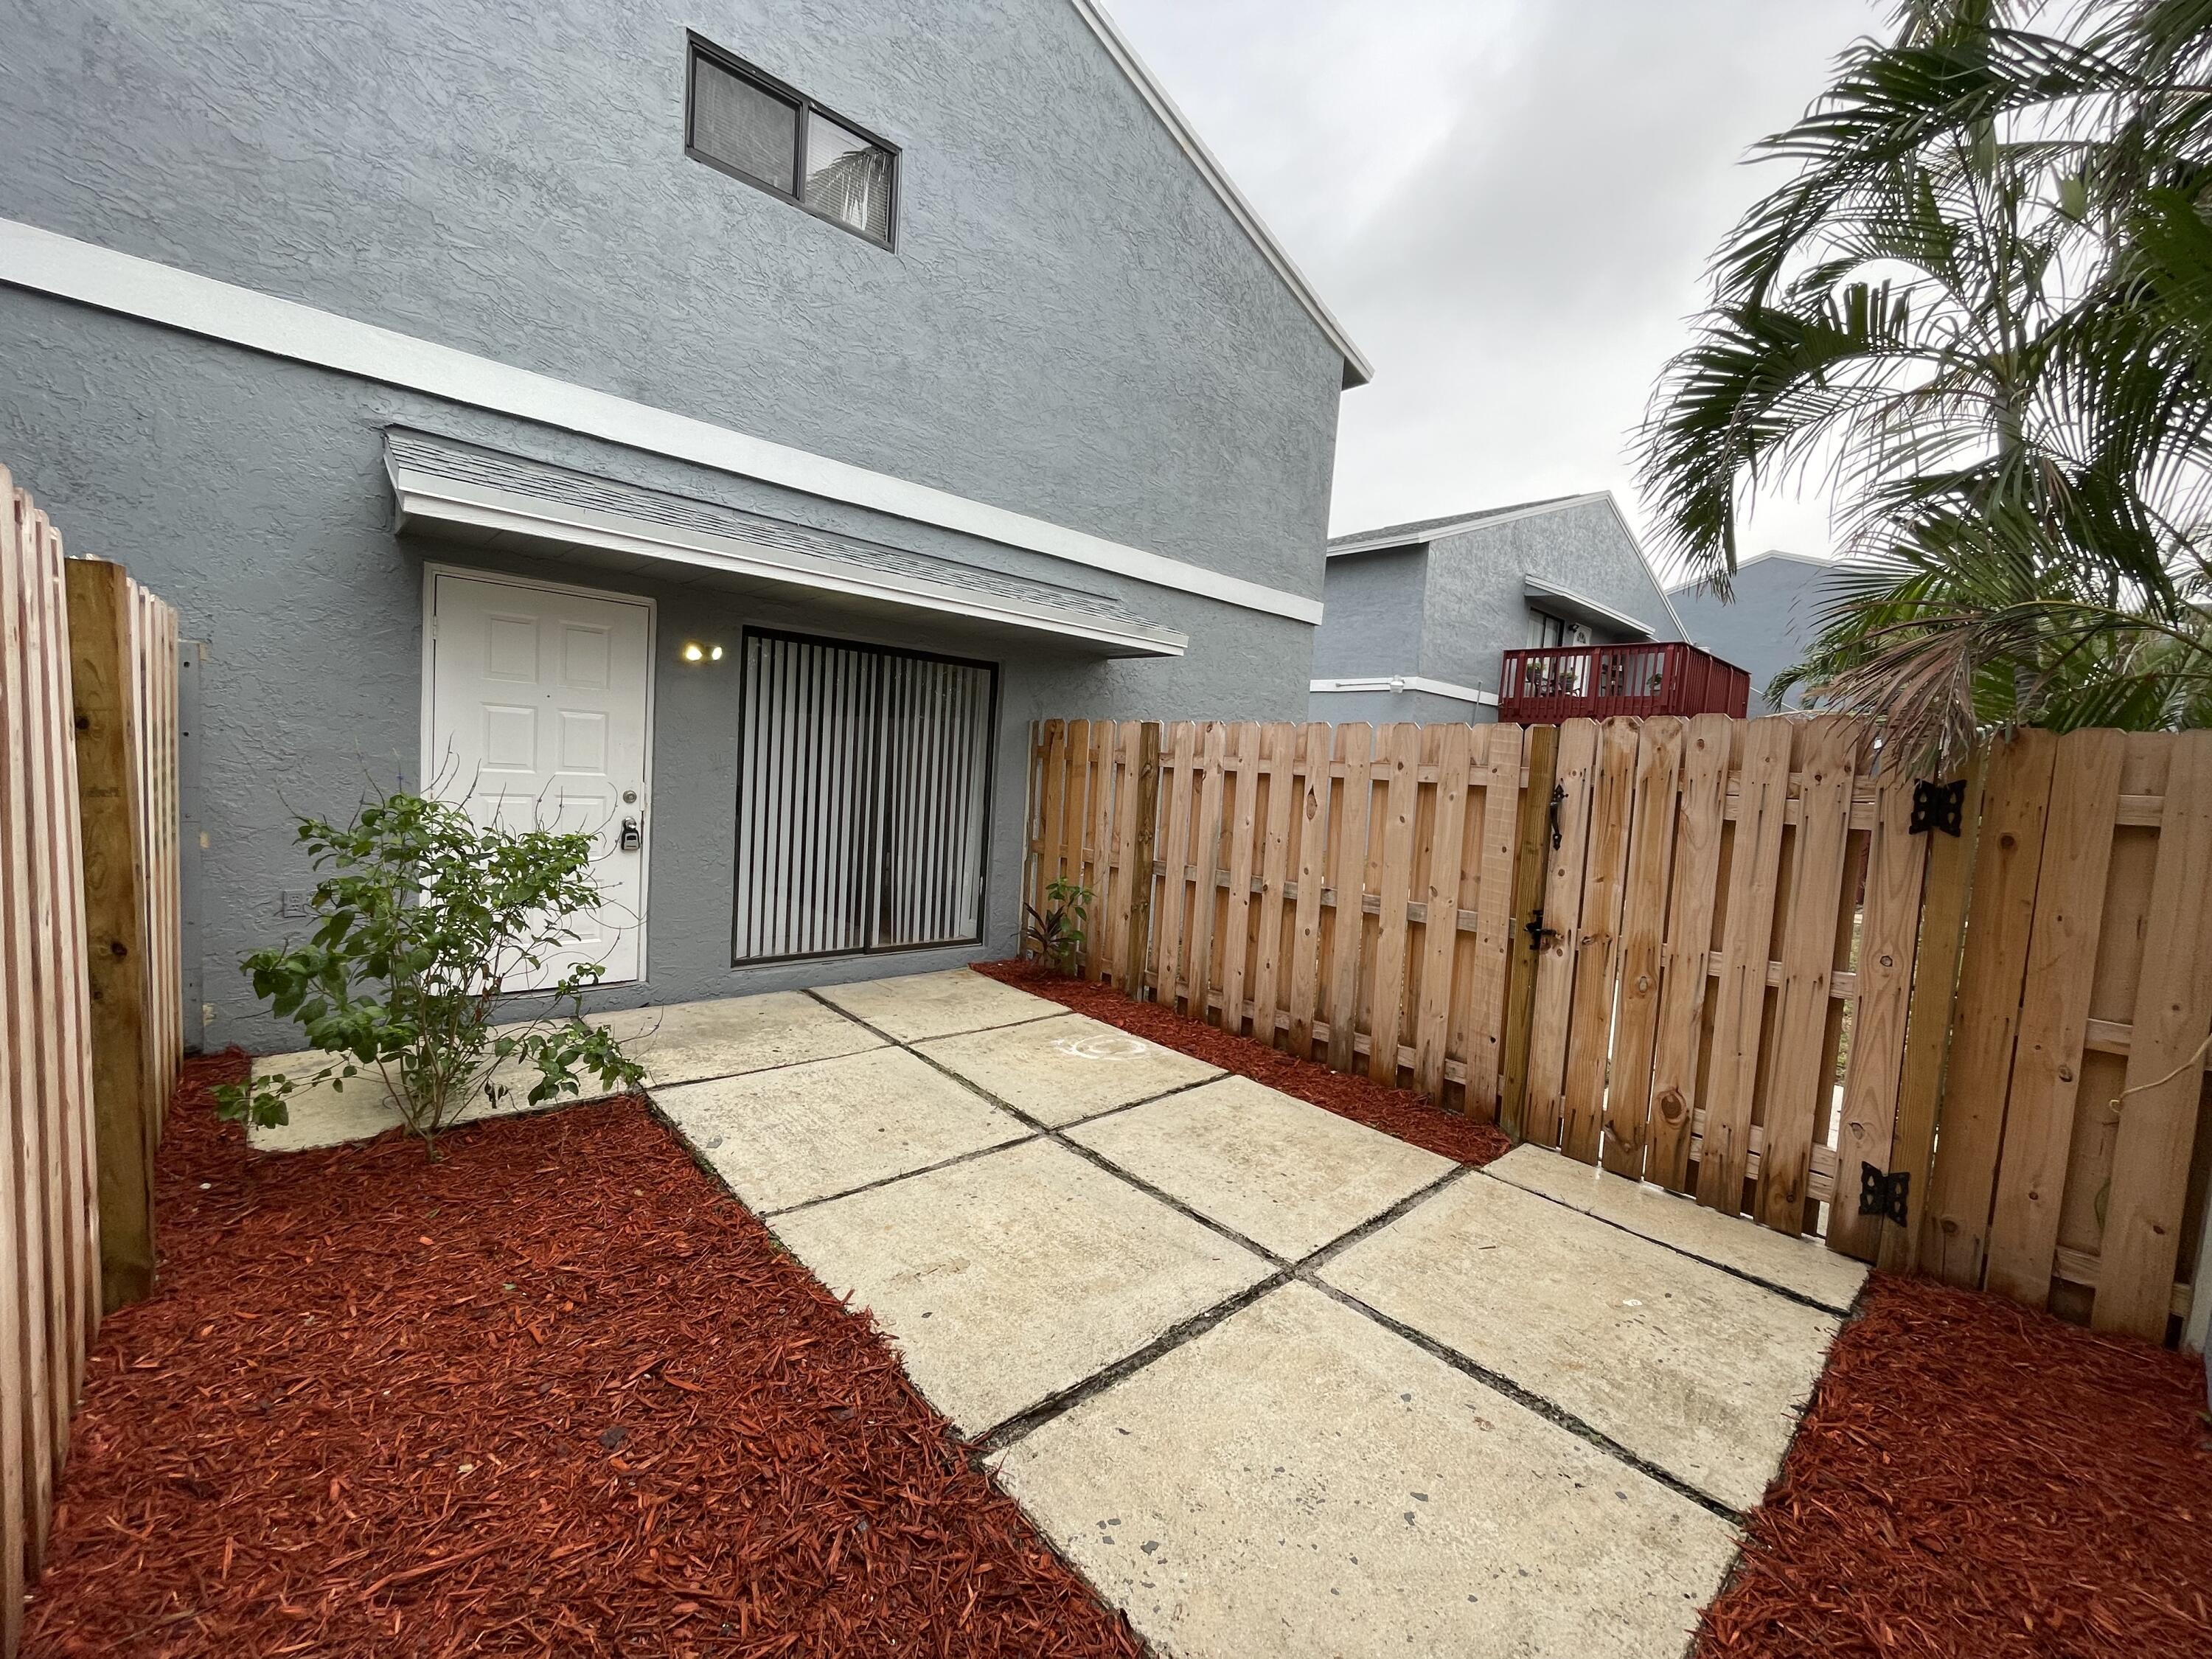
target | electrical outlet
[{"x": 292, "y": 902}]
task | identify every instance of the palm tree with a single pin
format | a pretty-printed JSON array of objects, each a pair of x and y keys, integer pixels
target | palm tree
[{"x": 1981, "y": 309}]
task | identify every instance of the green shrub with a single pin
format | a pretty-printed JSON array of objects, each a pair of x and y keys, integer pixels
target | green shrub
[{"x": 425, "y": 916}]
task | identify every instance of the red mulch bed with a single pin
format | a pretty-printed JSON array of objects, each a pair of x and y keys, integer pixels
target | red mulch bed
[
  {"x": 556, "y": 1393},
  {"x": 1411, "y": 1117},
  {"x": 1975, "y": 1480}
]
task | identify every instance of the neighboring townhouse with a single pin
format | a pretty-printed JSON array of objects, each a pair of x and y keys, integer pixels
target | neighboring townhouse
[
  {"x": 1439, "y": 619},
  {"x": 725, "y": 426},
  {"x": 1769, "y": 621}
]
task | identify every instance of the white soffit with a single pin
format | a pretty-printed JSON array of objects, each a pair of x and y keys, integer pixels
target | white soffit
[
  {"x": 46, "y": 262},
  {"x": 1583, "y": 608}
]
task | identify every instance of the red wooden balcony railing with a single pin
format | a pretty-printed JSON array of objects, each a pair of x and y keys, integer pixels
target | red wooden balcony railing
[{"x": 1575, "y": 682}]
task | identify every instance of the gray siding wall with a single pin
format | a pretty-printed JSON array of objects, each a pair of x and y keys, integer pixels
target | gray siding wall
[
  {"x": 1072, "y": 326},
  {"x": 1372, "y": 620},
  {"x": 252, "y": 494},
  {"x": 1477, "y": 608},
  {"x": 1765, "y": 627}
]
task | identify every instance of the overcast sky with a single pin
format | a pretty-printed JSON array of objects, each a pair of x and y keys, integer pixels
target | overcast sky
[{"x": 1507, "y": 203}]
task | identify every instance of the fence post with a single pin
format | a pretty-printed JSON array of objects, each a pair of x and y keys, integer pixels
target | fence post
[
  {"x": 1138, "y": 945},
  {"x": 102, "y": 677},
  {"x": 1942, "y": 938},
  {"x": 1529, "y": 860}
]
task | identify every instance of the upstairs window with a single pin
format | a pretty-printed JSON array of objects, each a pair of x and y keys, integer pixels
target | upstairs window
[{"x": 753, "y": 126}]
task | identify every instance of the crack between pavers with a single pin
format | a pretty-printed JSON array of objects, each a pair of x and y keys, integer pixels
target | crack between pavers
[
  {"x": 1549, "y": 1410},
  {"x": 938, "y": 1037},
  {"x": 1003, "y": 1434},
  {"x": 958, "y": 1159},
  {"x": 1744, "y": 1273}
]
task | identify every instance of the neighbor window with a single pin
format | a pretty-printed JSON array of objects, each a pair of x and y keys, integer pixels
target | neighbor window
[
  {"x": 754, "y": 126},
  {"x": 864, "y": 792}
]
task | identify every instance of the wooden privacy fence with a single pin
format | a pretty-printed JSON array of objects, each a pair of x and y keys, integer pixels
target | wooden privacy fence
[
  {"x": 1708, "y": 953},
  {"x": 90, "y": 1034}
]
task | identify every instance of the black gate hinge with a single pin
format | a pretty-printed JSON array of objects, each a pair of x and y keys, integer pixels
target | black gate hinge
[
  {"x": 1883, "y": 1194},
  {"x": 1939, "y": 806}
]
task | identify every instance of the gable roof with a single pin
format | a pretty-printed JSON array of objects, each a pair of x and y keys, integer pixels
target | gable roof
[
  {"x": 1813, "y": 560},
  {"x": 1358, "y": 371},
  {"x": 1421, "y": 531}
]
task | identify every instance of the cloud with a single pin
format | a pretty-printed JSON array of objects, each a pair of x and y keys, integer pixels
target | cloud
[{"x": 1509, "y": 203}]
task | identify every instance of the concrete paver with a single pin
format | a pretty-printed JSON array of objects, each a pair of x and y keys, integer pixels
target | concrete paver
[
  {"x": 685, "y": 1042},
  {"x": 1284, "y": 1173},
  {"x": 360, "y": 1108},
  {"x": 1300, "y": 1482},
  {"x": 1060, "y": 1070},
  {"x": 674, "y": 1042},
  {"x": 1803, "y": 1266},
  {"x": 801, "y": 1133},
  {"x": 1694, "y": 1371},
  {"x": 920, "y": 1005},
  {"x": 1011, "y": 1277}
]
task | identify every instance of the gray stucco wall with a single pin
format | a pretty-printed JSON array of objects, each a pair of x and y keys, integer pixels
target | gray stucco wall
[
  {"x": 1387, "y": 708},
  {"x": 1476, "y": 607},
  {"x": 1765, "y": 626},
  {"x": 1072, "y": 324},
  {"x": 251, "y": 493},
  {"x": 1371, "y": 623}
]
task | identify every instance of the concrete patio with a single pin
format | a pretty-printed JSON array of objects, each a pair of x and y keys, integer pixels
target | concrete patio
[{"x": 1275, "y": 1383}]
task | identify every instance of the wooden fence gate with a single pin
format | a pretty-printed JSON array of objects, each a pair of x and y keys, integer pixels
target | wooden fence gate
[
  {"x": 1712, "y": 954},
  {"x": 91, "y": 1020}
]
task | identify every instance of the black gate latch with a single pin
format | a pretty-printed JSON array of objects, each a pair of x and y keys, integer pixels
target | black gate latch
[
  {"x": 1536, "y": 929},
  {"x": 1939, "y": 806},
  {"x": 1884, "y": 1194}
]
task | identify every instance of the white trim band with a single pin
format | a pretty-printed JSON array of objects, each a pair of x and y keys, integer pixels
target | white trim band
[
  {"x": 48, "y": 262},
  {"x": 1398, "y": 683}
]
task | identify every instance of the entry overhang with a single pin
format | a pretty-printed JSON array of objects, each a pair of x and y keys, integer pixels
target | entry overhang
[
  {"x": 1580, "y": 607},
  {"x": 465, "y": 492}
]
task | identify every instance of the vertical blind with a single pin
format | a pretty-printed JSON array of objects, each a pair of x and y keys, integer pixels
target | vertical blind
[{"x": 863, "y": 786}]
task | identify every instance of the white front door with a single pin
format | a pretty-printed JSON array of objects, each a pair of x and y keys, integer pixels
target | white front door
[{"x": 538, "y": 713}]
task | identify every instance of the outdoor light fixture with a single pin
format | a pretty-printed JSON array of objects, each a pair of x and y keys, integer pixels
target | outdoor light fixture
[{"x": 694, "y": 652}]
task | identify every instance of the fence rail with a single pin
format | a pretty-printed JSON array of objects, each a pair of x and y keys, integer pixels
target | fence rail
[
  {"x": 88, "y": 834},
  {"x": 1709, "y": 953}
]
